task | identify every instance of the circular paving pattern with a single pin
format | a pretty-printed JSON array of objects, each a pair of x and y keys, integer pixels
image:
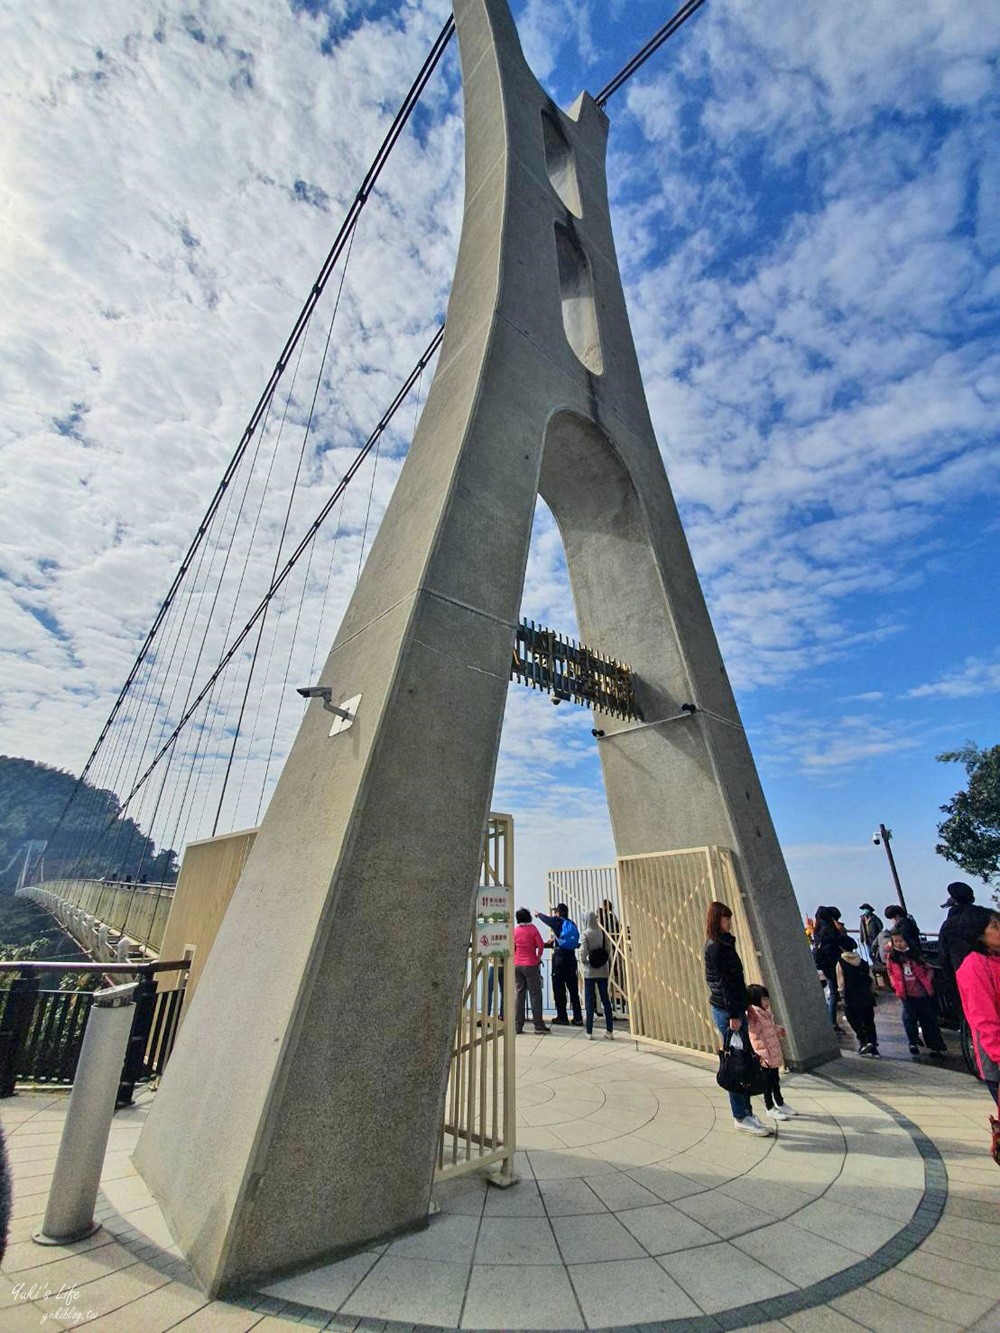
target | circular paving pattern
[{"x": 638, "y": 1204}]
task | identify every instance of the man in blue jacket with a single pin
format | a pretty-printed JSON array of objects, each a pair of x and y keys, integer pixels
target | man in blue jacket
[{"x": 565, "y": 940}]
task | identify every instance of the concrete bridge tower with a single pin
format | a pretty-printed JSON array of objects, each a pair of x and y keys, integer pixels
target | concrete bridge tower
[{"x": 300, "y": 1113}]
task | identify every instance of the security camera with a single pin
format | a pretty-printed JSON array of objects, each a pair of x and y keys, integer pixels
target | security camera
[
  {"x": 594, "y": 731},
  {"x": 876, "y": 839},
  {"x": 314, "y": 692}
]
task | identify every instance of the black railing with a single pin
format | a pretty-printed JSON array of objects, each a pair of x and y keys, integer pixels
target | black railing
[{"x": 41, "y": 1031}]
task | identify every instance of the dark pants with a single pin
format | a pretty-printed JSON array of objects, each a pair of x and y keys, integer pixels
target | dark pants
[
  {"x": 772, "y": 1089},
  {"x": 739, "y": 1103},
  {"x": 494, "y": 987},
  {"x": 994, "y": 1087},
  {"x": 600, "y": 985},
  {"x": 832, "y": 996},
  {"x": 564, "y": 981},
  {"x": 862, "y": 1020},
  {"x": 528, "y": 982},
  {"x": 922, "y": 1010}
]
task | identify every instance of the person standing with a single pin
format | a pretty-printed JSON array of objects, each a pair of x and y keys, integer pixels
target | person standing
[
  {"x": 595, "y": 956},
  {"x": 859, "y": 1001},
  {"x": 913, "y": 982},
  {"x": 869, "y": 930},
  {"x": 565, "y": 939},
  {"x": 978, "y": 978},
  {"x": 899, "y": 922},
  {"x": 528, "y": 949},
  {"x": 830, "y": 940},
  {"x": 960, "y": 899},
  {"x": 727, "y": 996},
  {"x": 765, "y": 1038}
]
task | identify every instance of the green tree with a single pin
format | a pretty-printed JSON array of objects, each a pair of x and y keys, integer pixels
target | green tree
[
  {"x": 94, "y": 837},
  {"x": 970, "y": 836}
]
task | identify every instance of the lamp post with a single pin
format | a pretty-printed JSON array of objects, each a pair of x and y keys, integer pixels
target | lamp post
[{"x": 884, "y": 836}]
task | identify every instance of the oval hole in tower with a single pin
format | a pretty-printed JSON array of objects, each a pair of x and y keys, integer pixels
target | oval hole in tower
[
  {"x": 579, "y": 311},
  {"x": 560, "y": 162}
]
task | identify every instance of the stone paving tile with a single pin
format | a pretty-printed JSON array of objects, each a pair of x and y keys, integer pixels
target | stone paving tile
[
  {"x": 893, "y": 1201},
  {"x": 983, "y": 1233},
  {"x": 949, "y": 1246},
  {"x": 412, "y": 1291},
  {"x": 797, "y": 1255},
  {"x": 946, "y": 1303},
  {"x": 594, "y": 1238},
  {"x": 666, "y": 1184},
  {"x": 569, "y": 1198},
  {"x": 446, "y": 1236},
  {"x": 467, "y": 1195},
  {"x": 104, "y": 1294},
  {"x": 67, "y": 1266},
  {"x": 726, "y": 1216},
  {"x": 778, "y": 1200},
  {"x": 951, "y": 1272},
  {"x": 327, "y": 1287},
  {"x": 883, "y": 1314},
  {"x": 720, "y": 1276},
  {"x": 219, "y": 1317},
  {"x": 622, "y": 1191},
  {"x": 823, "y": 1320},
  {"x": 519, "y": 1200},
  {"x": 155, "y": 1313},
  {"x": 24, "y": 1318},
  {"x": 663, "y": 1229},
  {"x": 496, "y": 1299},
  {"x": 629, "y": 1290},
  {"x": 516, "y": 1240},
  {"x": 865, "y": 1231}
]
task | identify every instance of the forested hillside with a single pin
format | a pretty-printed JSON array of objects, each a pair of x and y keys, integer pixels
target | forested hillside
[{"x": 92, "y": 840}]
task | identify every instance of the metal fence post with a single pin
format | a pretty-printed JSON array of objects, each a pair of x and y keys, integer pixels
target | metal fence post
[
  {"x": 69, "y": 1214},
  {"x": 135, "y": 1053},
  {"x": 17, "y": 1015}
]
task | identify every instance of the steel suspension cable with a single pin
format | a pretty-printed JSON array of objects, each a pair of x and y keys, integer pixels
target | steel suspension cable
[
  {"x": 653, "y": 45},
  {"x": 346, "y": 230},
  {"x": 293, "y": 559}
]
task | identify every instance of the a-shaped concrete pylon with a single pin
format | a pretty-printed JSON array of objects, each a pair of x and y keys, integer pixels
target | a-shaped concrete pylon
[{"x": 301, "y": 1109}]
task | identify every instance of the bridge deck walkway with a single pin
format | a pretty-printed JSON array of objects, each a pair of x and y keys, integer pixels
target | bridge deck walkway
[{"x": 638, "y": 1206}]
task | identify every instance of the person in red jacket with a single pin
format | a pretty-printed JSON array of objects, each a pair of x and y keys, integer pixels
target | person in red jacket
[
  {"x": 978, "y": 976},
  {"x": 913, "y": 982},
  {"x": 528, "y": 949}
]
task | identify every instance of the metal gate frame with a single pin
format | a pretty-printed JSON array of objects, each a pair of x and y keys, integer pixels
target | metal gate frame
[{"x": 478, "y": 1129}]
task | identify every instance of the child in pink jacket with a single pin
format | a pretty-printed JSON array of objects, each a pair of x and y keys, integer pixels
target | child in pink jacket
[{"x": 765, "y": 1038}]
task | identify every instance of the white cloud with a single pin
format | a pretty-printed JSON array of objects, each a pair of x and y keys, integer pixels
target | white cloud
[{"x": 975, "y": 677}]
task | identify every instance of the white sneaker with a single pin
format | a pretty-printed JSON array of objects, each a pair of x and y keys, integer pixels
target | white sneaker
[
  {"x": 609, "y": 1036},
  {"x": 790, "y": 1111},
  {"x": 780, "y": 1113},
  {"x": 590, "y": 1036},
  {"x": 751, "y": 1125}
]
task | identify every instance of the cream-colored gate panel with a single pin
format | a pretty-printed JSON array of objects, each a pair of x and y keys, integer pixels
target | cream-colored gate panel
[
  {"x": 478, "y": 1128},
  {"x": 595, "y": 889},
  {"x": 664, "y": 899}
]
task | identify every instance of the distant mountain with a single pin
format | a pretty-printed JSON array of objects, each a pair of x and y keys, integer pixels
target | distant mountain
[{"x": 92, "y": 840}]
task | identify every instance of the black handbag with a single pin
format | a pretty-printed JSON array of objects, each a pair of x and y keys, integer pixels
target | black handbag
[{"x": 739, "y": 1068}]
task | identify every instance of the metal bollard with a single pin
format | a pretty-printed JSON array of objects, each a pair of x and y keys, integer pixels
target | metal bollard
[{"x": 69, "y": 1214}]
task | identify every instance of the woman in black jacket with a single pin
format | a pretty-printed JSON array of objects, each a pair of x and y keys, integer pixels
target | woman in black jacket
[
  {"x": 830, "y": 940},
  {"x": 727, "y": 994}
]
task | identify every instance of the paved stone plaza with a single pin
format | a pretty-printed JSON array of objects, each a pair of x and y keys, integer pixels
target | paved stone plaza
[{"x": 878, "y": 1207}]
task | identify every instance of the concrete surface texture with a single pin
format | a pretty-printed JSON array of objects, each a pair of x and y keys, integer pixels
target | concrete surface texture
[
  {"x": 638, "y": 1206},
  {"x": 273, "y": 1149}
]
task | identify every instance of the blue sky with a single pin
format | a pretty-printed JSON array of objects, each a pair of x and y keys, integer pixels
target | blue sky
[{"x": 807, "y": 209}]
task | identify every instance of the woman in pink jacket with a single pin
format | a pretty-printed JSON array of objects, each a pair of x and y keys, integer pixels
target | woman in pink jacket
[
  {"x": 765, "y": 1038},
  {"x": 978, "y": 977}
]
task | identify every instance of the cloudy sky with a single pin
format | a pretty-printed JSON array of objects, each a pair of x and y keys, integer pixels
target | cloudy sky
[{"x": 807, "y": 210}]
